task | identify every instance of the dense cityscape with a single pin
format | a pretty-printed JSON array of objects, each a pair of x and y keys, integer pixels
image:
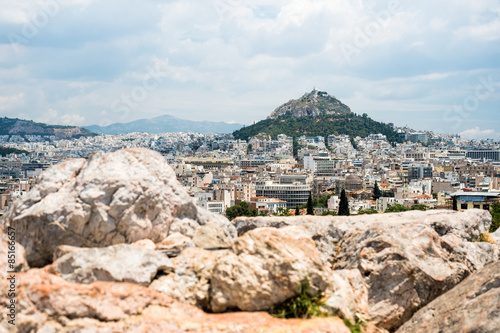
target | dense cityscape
[{"x": 278, "y": 176}]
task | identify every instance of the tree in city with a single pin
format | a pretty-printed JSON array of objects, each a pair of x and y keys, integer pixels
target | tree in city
[
  {"x": 283, "y": 212},
  {"x": 297, "y": 210},
  {"x": 495, "y": 217},
  {"x": 455, "y": 203},
  {"x": 397, "y": 208},
  {"x": 376, "y": 192},
  {"x": 310, "y": 210},
  {"x": 240, "y": 210},
  {"x": 344, "y": 204},
  {"x": 420, "y": 207},
  {"x": 367, "y": 211}
]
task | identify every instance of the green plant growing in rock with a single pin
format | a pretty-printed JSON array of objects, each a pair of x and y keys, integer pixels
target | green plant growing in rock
[
  {"x": 357, "y": 327},
  {"x": 301, "y": 306},
  {"x": 484, "y": 237}
]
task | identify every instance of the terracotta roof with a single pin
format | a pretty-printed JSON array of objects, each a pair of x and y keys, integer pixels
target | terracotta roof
[{"x": 424, "y": 196}]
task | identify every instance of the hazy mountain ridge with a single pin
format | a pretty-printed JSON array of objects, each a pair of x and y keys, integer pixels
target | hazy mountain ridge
[
  {"x": 165, "y": 124},
  {"x": 15, "y": 126}
]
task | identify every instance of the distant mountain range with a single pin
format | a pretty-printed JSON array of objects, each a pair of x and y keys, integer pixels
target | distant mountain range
[
  {"x": 316, "y": 114},
  {"x": 164, "y": 124},
  {"x": 15, "y": 126}
]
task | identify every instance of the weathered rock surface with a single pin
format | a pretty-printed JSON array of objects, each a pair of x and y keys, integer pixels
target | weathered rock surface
[
  {"x": 175, "y": 242},
  {"x": 190, "y": 282},
  {"x": 496, "y": 237},
  {"x": 404, "y": 269},
  {"x": 347, "y": 295},
  {"x": 327, "y": 232},
  {"x": 146, "y": 243},
  {"x": 211, "y": 236},
  {"x": 47, "y": 303},
  {"x": 119, "y": 263},
  {"x": 265, "y": 267},
  {"x": 406, "y": 259},
  {"x": 472, "y": 306},
  {"x": 9, "y": 261},
  {"x": 111, "y": 198}
]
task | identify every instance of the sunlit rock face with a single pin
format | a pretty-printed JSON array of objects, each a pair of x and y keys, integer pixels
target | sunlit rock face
[{"x": 111, "y": 198}]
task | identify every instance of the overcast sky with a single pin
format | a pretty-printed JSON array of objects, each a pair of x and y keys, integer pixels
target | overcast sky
[{"x": 431, "y": 65}]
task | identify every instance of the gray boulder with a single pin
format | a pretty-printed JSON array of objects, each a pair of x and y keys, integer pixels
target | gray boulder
[
  {"x": 327, "y": 232},
  {"x": 12, "y": 255},
  {"x": 117, "y": 263},
  {"x": 472, "y": 306},
  {"x": 263, "y": 268},
  {"x": 406, "y": 259},
  {"x": 111, "y": 198}
]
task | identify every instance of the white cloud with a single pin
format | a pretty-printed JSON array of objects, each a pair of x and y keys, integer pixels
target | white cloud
[
  {"x": 238, "y": 60},
  {"x": 477, "y": 133},
  {"x": 11, "y": 101},
  {"x": 489, "y": 31},
  {"x": 72, "y": 119}
]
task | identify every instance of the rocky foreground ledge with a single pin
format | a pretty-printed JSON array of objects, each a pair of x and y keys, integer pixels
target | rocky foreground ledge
[{"x": 114, "y": 244}]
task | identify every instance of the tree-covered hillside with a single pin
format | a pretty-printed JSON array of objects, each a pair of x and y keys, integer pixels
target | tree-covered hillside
[
  {"x": 15, "y": 126},
  {"x": 321, "y": 125},
  {"x": 4, "y": 151}
]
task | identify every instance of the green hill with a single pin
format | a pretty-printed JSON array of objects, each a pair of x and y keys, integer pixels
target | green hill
[
  {"x": 316, "y": 114},
  {"x": 4, "y": 151},
  {"x": 15, "y": 126},
  {"x": 323, "y": 125}
]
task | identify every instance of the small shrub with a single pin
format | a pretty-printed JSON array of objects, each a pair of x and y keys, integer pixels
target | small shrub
[
  {"x": 486, "y": 237},
  {"x": 301, "y": 306},
  {"x": 357, "y": 327}
]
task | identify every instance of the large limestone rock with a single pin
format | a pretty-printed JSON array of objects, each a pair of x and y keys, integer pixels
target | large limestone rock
[
  {"x": 404, "y": 269},
  {"x": 120, "y": 263},
  {"x": 472, "y": 306},
  {"x": 190, "y": 282},
  {"x": 347, "y": 296},
  {"x": 406, "y": 259},
  {"x": 12, "y": 255},
  {"x": 327, "y": 232},
  {"x": 47, "y": 303},
  {"x": 111, "y": 198},
  {"x": 265, "y": 267}
]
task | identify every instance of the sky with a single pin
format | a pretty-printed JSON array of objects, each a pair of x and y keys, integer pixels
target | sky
[{"x": 428, "y": 65}]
